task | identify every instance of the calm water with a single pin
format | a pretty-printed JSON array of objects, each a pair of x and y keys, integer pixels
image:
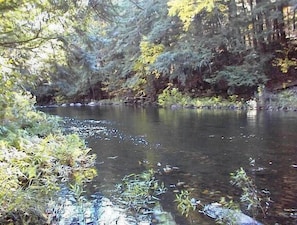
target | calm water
[{"x": 206, "y": 146}]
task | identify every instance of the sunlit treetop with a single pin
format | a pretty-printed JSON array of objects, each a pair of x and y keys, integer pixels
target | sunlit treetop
[
  {"x": 31, "y": 21},
  {"x": 186, "y": 10}
]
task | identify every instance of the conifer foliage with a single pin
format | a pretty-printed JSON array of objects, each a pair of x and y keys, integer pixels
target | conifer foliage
[{"x": 97, "y": 49}]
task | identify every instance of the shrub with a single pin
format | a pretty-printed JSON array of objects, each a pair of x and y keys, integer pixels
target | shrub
[
  {"x": 172, "y": 96},
  {"x": 36, "y": 159}
]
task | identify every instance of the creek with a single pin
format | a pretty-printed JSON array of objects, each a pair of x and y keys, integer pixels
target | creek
[{"x": 205, "y": 145}]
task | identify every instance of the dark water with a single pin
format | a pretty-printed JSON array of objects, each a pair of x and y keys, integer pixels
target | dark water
[{"x": 206, "y": 146}]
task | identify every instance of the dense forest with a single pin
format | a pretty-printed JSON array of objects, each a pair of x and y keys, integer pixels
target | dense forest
[{"x": 83, "y": 50}]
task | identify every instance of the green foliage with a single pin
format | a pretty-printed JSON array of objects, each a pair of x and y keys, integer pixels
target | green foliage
[
  {"x": 218, "y": 102},
  {"x": 239, "y": 76},
  {"x": 186, "y": 10},
  {"x": 139, "y": 190},
  {"x": 36, "y": 158},
  {"x": 183, "y": 62},
  {"x": 70, "y": 50},
  {"x": 286, "y": 62},
  {"x": 249, "y": 74},
  {"x": 172, "y": 96},
  {"x": 286, "y": 98},
  {"x": 184, "y": 203},
  {"x": 251, "y": 197},
  {"x": 18, "y": 115},
  {"x": 149, "y": 53},
  {"x": 229, "y": 203},
  {"x": 77, "y": 190},
  {"x": 43, "y": 44}
]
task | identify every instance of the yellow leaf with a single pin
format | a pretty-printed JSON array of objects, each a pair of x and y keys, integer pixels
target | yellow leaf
[{"x": 31, "y": 172}]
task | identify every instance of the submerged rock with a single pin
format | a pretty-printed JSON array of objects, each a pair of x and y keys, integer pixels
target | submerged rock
[
  {"x": 100, "y": 210},
  {"x": 216, "y": 211},
  {"x": 162, "y": 217},
  {"x": 67, "y": 210}
]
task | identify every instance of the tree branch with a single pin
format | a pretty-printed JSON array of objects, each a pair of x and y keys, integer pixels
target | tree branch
[
  {"x": 9, "y": 44},
  {"x": 136, "y": 4}
]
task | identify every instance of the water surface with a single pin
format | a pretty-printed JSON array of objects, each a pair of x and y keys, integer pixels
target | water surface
[{"x": 205, "y": 145}]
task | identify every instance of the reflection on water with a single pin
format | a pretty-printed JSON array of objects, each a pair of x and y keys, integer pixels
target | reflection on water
[{"x": 205, "y": 145}]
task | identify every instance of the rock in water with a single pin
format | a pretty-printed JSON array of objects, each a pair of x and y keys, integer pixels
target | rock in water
[
  {"x": 69, "y": 211},
  {"x": 162, "y": 217},
  {"x": 216, "y": 211}
]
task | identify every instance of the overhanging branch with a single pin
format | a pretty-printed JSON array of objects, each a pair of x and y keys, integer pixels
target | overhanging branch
[{"x": 9, "y": 44}]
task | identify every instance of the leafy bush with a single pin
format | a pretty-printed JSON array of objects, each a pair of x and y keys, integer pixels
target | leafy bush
[
  {"x": 287, "y": 98},
  {"x": 140, "y": 190},
  {"x": 171, "y": 97},
  {"x": 36, "y": 159},
  {"x": 251, "y": 197},
  {"x": 185, "y": 204}
]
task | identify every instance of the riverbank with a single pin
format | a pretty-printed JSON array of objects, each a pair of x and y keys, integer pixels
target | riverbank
[{"x": 285, "y": 100}]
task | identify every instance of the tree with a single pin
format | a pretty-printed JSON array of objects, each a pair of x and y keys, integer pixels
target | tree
[
  {"x": 43, "y": 44},
  {"x": 236, "y": 31},
  {"x": 93, "y": 49},
  {"x": 36, "y": 158}
]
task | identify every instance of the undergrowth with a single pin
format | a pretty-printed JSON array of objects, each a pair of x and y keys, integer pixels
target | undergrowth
[
  {"x": 173, "y": 97},
  {"x": 36, "y": 159}
]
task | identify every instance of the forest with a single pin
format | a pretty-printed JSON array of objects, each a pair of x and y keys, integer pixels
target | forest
[{"x": 83, "y": 50}]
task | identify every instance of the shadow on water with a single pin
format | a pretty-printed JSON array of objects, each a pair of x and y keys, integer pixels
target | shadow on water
[{"x": 206, "y": 146}]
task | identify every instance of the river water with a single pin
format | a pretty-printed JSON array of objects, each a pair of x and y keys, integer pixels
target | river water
[{"x": 206, "y": 146}]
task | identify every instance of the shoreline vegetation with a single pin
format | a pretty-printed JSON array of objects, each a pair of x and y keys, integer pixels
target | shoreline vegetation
[
  {"x": 285, "y": 100},
  {"x": 36, "y": 159}
]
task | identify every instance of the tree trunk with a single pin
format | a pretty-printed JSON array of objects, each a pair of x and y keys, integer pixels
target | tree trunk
[{"x": 259, "y": 28}]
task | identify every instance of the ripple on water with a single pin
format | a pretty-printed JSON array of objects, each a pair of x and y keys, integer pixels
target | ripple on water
[{"x": 103, "y": 130}]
